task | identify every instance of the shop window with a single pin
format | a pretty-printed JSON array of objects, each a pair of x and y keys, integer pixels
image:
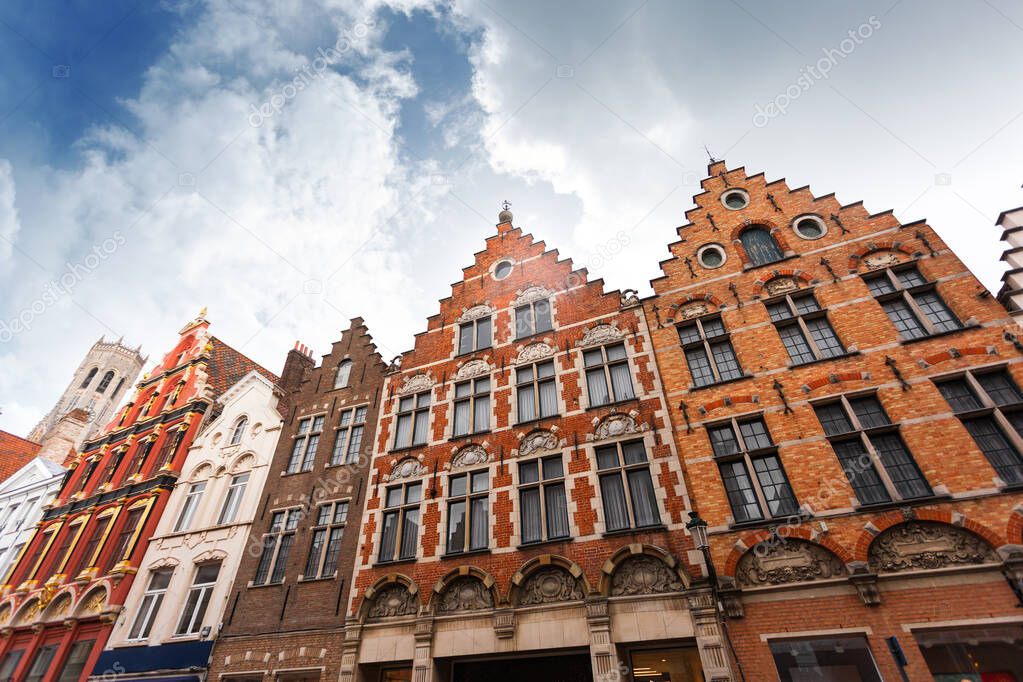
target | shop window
[
  {"x": 837, "y": 659},
  {"x": 41, "y": 662},
  {"x": 664, "y": 665},
  {"x": 76, "y": 659},
  {"x": 977, "y": 654}
]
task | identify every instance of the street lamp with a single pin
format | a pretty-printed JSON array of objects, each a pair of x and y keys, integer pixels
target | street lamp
[{"x": 698, "y": 528}]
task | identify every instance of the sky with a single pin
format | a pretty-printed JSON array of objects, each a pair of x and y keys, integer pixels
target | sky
[{"x": 292, "y": 165}]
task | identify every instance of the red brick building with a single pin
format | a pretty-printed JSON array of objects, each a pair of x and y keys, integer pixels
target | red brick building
[
  {"x": 73, "y": 576},
  {"x": 845, "y": 398},
  {"x": 525, "y": 515}
]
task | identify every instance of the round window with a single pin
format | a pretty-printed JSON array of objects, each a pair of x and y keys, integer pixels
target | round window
[
  {"x": 810, "y": 227},
  {"x": 735, "y": 199},
  {"x": 711, "y": 256},
  {"x": 502, "y": 269}
]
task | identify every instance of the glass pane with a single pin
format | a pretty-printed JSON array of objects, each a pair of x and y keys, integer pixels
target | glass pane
[
  {"x": 480, "y": 531},
  {"x": 869, "y": 411},
  {"x": 552, "y": 468},
  {"x": 341, "y": 512},
  {"x": 760, "y": 246},
  {"x": 457, "y": 486},
  {"x": 463, "y": 389},
  {"x": 333, "y": 550},
  {"x": 841, "y": 660},
  {"x": 621, "y": 381},
  {"x": 1000, "y": 387},
  {"x": 779, "y": 311},
  {"x": 910, "y": 278},
  {"x": 795, "y": 343},
  {"x": 775, "y": 486},
  {"x": 281, "y": 563},
  {"x": 354, "y": 444},
  {"x": 530, "y": 501},
  {"x": 880, "y": 285},
  {"x": 615, "y": 352},
  {"x": 545, "y": 369},
  {"x": 403, "y": 431},
  {"x": 739, "y": 488},
  {"x": 413, "y": 492},
  {"x": 419, "y": 429},
  {"x": 959, "y": 395},
  {"x": 596, "y": 386},
  {"x": 423, "y": 399},
  {"x": 529, "y": 472},
  {"x": 557, "y": 510},
  {"x": 699, "y": 366},
  {"x": 824, "y": 336},
  {"x": 859, "y": 469},
  {"x": 997, "y": 448},
  {"x": 543, "y": 316},
  {"x": 713, "y": 327},
  {"x": 548, "y": 398},
  {"x": 526, "y": 403},
  {"x": 524, "y": 374},
  {"x": 394, "y": 496},
  {"x": 523, "y": 321},
  {"x": 483, "y": 333},
  {"x": 409, "y": 533},
  {"x": 936, "y": 311},
  {"x": 723, "y": 440},
  {"x": 456, "y": 526},
  {"x": 833, "y": 418},
  {"x": 607, "y": 457},
  {"x": 388, "y": 536},
  {"x": 725, "y": 360},
  {"x": 312, "y": 564},
  {"x": 754, "y": 434},
  {"x": 805, "y": 304},
  {"x": 461, "y": 425},
  {"x": 644, "y": 503},
  {"x": 592, "y": 357},
  {"x": 481, "y": 416},
  {"x": 616, "y": 513},
  {"x": 681, "y": 664},
  {"x": 465, "y": 338},
  {"x": 904, "y": 319},
  {"x": 688, "y": 333},
  {"x": 480, "y": 481},
  {"x": 634, "y": 452}
]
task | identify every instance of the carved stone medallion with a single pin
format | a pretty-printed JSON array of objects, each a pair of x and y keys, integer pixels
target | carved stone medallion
[
  {"x": 917, "y": 545},
  {"x": 643, "y": 574},
  {"x": 549, "y": 585},
  {"x": 532, "y": 293},
  {"x": 410, "y": 467},
  {"x": 600, "y": 334},
  {"x": 470, "y": 455},
  {"x": 416, "y": 383},
  {"x": 467, "y": 593},
  {"x": 617, "y": 425},
  {"x": 781, "y": 285},
  {"x": 393, "y": 600},
  {"x": 777, "y": 562},
  {"x": 533, "y": 352},
  {"x": 538, "y": 441},
  {"x": 475, "y": 312},
  {"x": 473, "y": 368},
  {"x": 694, "y": 309},
  {"x": 881, "y": 259}
]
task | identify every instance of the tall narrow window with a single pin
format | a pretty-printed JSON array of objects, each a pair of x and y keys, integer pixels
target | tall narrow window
[
  {"x": 138, "y": 460},
  {"x": 326, "y": 543},
  {"x": 473, "y": 336},
  {"x": 751, "y": 470},
  {"x": 168, "y": 450},
  {"x": 912, "y": 303},
  {"x": 542, "y": 499},
  {"x": 533, "y": 318},
  {"x": 125, "y": 539},
  {"x": 472, "y": 406},
  {"x": 198, "y": 599},
  {"x": 626, "y": 487},
  {"x": 874, "y": 458},
  {"x": 760, "y": 246},
  {"x": 344, "y": 372},
  {"x": 348, "y": 437},
  {"x": 88, "y": 378},
  {"x": 536, "y": 394},
  {"x": 56, "y": 558},
  {"x": 277, "y": 541},
  {"x": 41, "y": 663},
  {"x": 608, "y": 379},
  {"x": 990, "y": 406},
  {"x": 468, "y": 515},
  {"x": 88, "y": 557},
  {"x": 709, "y": 351},
  {"x": 152, "y": 599},
  {"x": 105, "y": 382},
  {"x": 412, "y": 420},
  {"x": 87, "y": 469},
  {"x": 10, "y": 664},
  {"x": 112, "y": 466},
  {"x": 303, "y": 449},
  {"x": 239, "y": 430},
  {"x": 804, "y": 328},
  {"x": 76, "y": 659},
  {"x": 192, "y": 500},
  {"x": 233, "y": 500},
  {"x": 400, "y": 533}
]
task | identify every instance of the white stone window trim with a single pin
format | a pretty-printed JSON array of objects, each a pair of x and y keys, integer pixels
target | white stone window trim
[
  {"x": 812, "y": 217},
  {"x": 815, "y": 634},
  {"x": 713, "y": 246},
  {"x": 735, "y": 190}
]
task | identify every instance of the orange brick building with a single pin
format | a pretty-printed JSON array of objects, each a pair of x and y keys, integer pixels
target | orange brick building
[{"x": 845, "y": 399}]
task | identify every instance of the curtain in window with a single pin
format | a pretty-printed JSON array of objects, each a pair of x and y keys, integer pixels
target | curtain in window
[
  {"x": 456, "y": 526},
  {"x": 548, "y": 399},
  {"x": 419, "y": 433},
  {"x": 543, "y": 316},
  {"x": 760, "y": 246},
  {"x": 616, "y": 513},
  {"x": 388, "y": 536},
  {"x": 527, "y": 412},
  {"x": 402, "y": 429},
  {"x": 644, "y": 504},
  {"x": 483, "y": 333},
  {"x": 597, "y": 387},
  {"x": 480, "y": 532},
  {"x": 461, "y": 417},
  {"x": 557, "y": 511},
  {"x": 409, "y": 534},
  {"x": 481, "y": 418},
  {"x": 621, "y": 381},
  {"x": 465, "y": 338},
  {"x": 530, "y": 503}
]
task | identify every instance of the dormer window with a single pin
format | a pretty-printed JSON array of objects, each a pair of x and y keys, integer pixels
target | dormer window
[
  {"x": 473, "y": 336},
  {"x": 344, "y": 371}
]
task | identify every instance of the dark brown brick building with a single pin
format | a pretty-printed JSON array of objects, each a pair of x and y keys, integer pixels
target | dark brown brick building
[
  {"x": 285, "y": 619},
  {"x": 845, "y": 397}
]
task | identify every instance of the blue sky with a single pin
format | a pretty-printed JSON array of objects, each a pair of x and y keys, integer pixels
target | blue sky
[{"x": 129, "y": 153}]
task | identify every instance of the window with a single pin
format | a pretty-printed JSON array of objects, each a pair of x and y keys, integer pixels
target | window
[
  {"x": 502, "y": 269},
  {"x": 608, "y": 379},
  {"x": 845, "y": 658},
  {"x": 990, "y": 651},
  {"x": 760, "y": 246},
  {"x": 326, "y": 542},
  {"x": 138, "y": 460},
  {"x": 344, "y": 371},
  {"x": 239, "y": 430},
  {"x": 348, "y": 437},
  {"x": 235, "y": 493},
  {"x": 87, "y": 469},
  {"x": 198, "y": 599},
  {"x": 533, "y": 318},
  {"x": 88, "y": 378},
  {"x": 810, "y": 227},
  {"x": 168, "y": 450},
  {"x": 535, "y": 391},
  {"x": 41, "y": 662},
  {"x": 874, "y": 458},
  {"x": 56, "y": 559},
  {"x": 413, "y": 420},
  {"x": 303, "y": 450},
  {"x": 751, "y": 470},
  {"x": 150, "y": 606},
  {"x": 711, "y": 256},
  {"x": 276, "y": 546},
  {"x": 76, "y": 659},
  {"x": 401, "y": 520},
  {"x": 472, "y": 406},
  {"x": 112, "y": 466},
  {"x": 123, "y": 546},
  {"x": 192, "y": 500},
  {"x": 468, "y": 516},
  {"x": 105, "y": 382},
  {"x": 88, "y": 556},
  {"x": 709, "y": 351},
  {"x": 473, "y": 336},
  {"x": 10, "y": 664},
  {"x": 912, "y": 303},
  {"x": 804, "y": 328},
  {"x": 626, "y": 487},
  {"x": 544, "y": 506},
  {"x": 117, "y": 389},
  {"x": 735, "y": 199},
  {"x": 990, "y": 406},
  {"x": 38, "y": 548}
]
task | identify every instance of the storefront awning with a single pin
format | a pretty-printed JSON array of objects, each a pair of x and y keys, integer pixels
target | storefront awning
[{"x": 173, "y": 659}]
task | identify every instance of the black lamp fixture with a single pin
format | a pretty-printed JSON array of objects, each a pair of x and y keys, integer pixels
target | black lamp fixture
[{"x": 698, "y": 528}]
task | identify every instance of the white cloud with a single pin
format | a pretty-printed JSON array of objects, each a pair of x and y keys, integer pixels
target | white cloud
[{"x": 9, "y": 223}]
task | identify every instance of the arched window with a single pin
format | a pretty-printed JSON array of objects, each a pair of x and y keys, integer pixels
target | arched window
[
  {"x": 760, "y": 246},
  {"x": 88, "y": 377},
  {"x": 118, "y": 389},
  {"x": 105, "y": 381},
  {"x": 344, "y": 370},
  {"x": 239, "y": 429}
]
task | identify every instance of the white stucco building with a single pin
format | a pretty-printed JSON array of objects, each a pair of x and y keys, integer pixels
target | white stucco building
[
  {"x": 22, "y": 497},
  {"x": 178, "y": 599}
]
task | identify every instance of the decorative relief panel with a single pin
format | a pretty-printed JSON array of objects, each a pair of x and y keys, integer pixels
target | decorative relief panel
[
  {"x": 601, "y": 334},
  {"x": 414, "y": 384},
  {"x": 781, "y": 285},
  {"x": 694, "y": 309},
  {"x": 549, "y": 585},
  {"x": 393, "y": 600},
  {"x": 467, "y": 593},
  {"x": 470, "y": 455},
  {"x": 615, "y": 425},
  {"x": 536, "y": 292},
  {"x": 475, "y": 312},
  {"x": 881, "y": 259},
  {"x": 410, "y": 467},
  {"x": 539, "y": 441},
  {"x": 787, "y": 561},
  {"x": 473, "y": 368},
  {"x": 917, "y": 545},
  {"x": 534, "y": 352},
  {"x": 643, "y": 574}
]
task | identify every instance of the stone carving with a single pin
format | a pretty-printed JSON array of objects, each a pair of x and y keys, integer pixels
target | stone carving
[
  {"x": 410, "y": 467},
  {"x": 475, "y": 312},
  {"x": 5, "y": 613},
  {"x": 549, "y": 585},
  {"x": 59, "y": 607},
  {"x": 601, "y": 334},
  {"x": 414, "y": 384},
  {"x": 467, "y": 593},
  {"x": 533, "y": 352},
  {"x": 777, "y": 562},
  {"x": 642, "y": 574},
  {"x": 694, "y": 309},
  {"x": 29, "y": 613},
  {"x": 538, "y": 441},
  {"x": 393, "y": 600},
  {"x": 94, "y": 604},
  {"x": 781, "y": 285},
  {"x": 881, "y": 259},
  {"x": 536, "y": 292},
  {"x": 473, "y": 368},
  {"x": 470, "y": 455},
  {"x": 629, "y": 298},
  {"x": 917, "y": 545},
  {"x": 615, "y": 425}
]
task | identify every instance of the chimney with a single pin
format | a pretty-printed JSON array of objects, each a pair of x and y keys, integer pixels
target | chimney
[
  {"x": 59, "y": 444},
  {"x": 298, "y": 362}
]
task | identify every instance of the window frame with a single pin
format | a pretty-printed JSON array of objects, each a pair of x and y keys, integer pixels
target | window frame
[
  {"x": 622, "y": 470},
  {"x": 472, "y": 397},
  {"x": 238, "y": 430},
  {"x": 541, "y": 484},
  {"x": 475, "y": 325},
  {"x": 752, "y": 262},
  {"x": 605, "y": 366},
  {"x": 704, "y": 344},
  {"x": 344, "y": 371},
  {"x": 289, "y": 517},
  {"x": 202, "y": 601},
  {"x": 234, "y": 497},
  {"x": 193, "y": 498},
  {"x": 305, "y": 443},
  {"x": 328, "y": 528},
  {"x": 467, "y": 498},
  {"x": 401, "y": 512},
  {"x": 341, "y": 452},
  {"x": 149, "y": 607},
  {"x": 798, "y": 319},
  {"x": 908, "y": 296},
  {"x": 534, "y": 384},
  {"x": 413, "y": 414},
  {"x": 524, "y": 318}
]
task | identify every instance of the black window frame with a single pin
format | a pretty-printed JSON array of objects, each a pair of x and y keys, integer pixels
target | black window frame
[
  {"x": 326, "y": 536},
  {"x": 796, "y": 317},
  {"x": 706, "y": 344},
  {"x": 907, "y": 295}
]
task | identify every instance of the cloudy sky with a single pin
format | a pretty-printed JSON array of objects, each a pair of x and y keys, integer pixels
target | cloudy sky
[{"x": 294, "y": 164}]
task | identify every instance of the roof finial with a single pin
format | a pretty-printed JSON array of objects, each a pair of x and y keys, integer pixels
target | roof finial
[
  {"x": 709, "y": 155},
  {"x": 505, "y": 216}
]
